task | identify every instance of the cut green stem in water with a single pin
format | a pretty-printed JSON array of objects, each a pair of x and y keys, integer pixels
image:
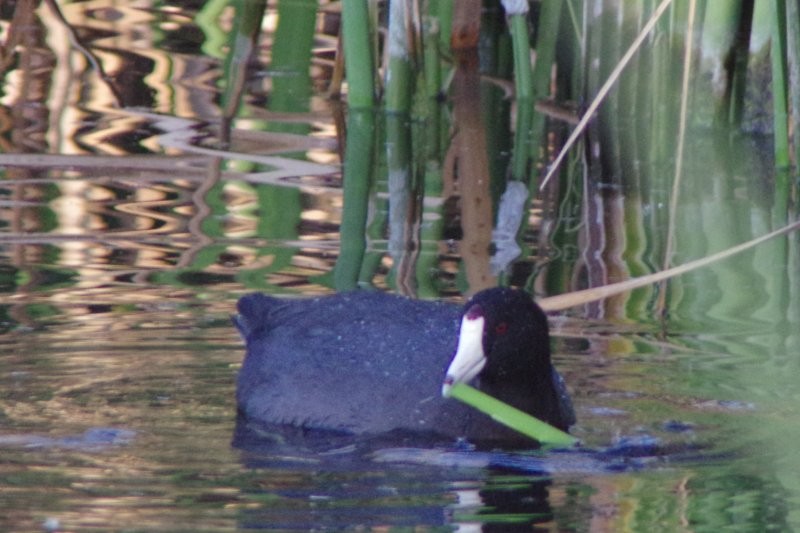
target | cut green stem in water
[{"x": 511, "y": 416}]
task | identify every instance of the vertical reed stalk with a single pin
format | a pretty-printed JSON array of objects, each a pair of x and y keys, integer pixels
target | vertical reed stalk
[
  {"x": 606, "y": 87},
  {"x": 737, "y": 63},
  {"x": 679, "y": 156},
  {"x": 780, "y": 78},
  {"x": 291, "y": 57},
  {"x": 793, "y": 49},
  {"x": 359, "y": 63},
  {"x": 517, "y": 12},
  {"x": 398, "y": 83},
  {"x": 359, "y": 166},
  {"x": 547, "y": 38}
]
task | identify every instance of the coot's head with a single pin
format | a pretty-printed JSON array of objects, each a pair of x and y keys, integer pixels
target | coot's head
[{"x": 503, "y": 341}]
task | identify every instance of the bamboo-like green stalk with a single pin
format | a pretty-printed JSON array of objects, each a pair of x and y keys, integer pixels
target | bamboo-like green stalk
[
  {"x": 428, "y": 157},
  {"x": 518, "y": 22},
  {"x": 433, "y": 84},
  {"x": 679, "y": 150},
  {"x": 399, "y": 84},
  {"x": 443, "y": 10},
  {"x": 359, "y": 63},
  {"x": 741, "y": 54},
  {"x": 291, "y": 58},
  {"x": 546, "y": 42},
  {"x": 793, "y": 56},
  {"x": 358, "y": 169},
  {"x": 606, "y": 87},
  {"x": 780, "y": 79},
  {"x": 660, "y": 136},
  {"x": 399, "y": 176}
]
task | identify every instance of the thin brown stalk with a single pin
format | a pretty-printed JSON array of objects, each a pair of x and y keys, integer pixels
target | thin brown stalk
[
  {"x": 573, "y": 299},
  {"x": 676, "y": 180}
]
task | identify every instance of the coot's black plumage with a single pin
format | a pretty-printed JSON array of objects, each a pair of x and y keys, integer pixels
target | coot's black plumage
[{"x": 369, "y": 363}]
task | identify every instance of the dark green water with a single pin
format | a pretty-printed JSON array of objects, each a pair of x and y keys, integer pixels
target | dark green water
[{"x": 126, "y": 239}]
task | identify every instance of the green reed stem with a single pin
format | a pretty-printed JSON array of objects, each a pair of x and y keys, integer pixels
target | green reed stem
[
  {"x": 793, "y": 49},
  {"x": 511, "y": 416},
  {"x": 780, "y": 83},
  {"x": 741, "y": 56},
  {"x": 793, "y": 55},
  {"x": 443, "y": 11},
  {"x": 520, "y": 43},
  {"x": 431, "y": 58},
  {"x": 358, "y": 60},
  {"x": 291, "y": 57},
  {"x": 549, "y": 21},
  {"x": 522, "y": 53},
  {"x": 359, "y": 167},
  {"x": 399, "y": 181},
  {"x": 398, "y": 71}
]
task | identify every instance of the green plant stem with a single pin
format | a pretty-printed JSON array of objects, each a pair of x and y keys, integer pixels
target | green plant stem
[
  {"x": 604, "y": 90},
  {"x": 291, "y": 57},
  {"x": 358, "y": 171},
  {"x": 433, "y": 85},
  {"x": 400, "y": 189},
  {"x": 359, "y": 64},
  {"x": 522, "y": 84},
  {"x": 549, "y": 20},
  {"x": 398, "y": 71},
  {"x": 793, "y": 55},
  {"x": 522, "y": 55},
  {"x": 741, "y": 55},
  {"x": 780, "y": 78},
  {"x": 443, "y": 10},
  {"x": 511, "y": 416}
]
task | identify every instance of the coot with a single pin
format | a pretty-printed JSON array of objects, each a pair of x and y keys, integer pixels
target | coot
[{"x": 369, "y": 363}]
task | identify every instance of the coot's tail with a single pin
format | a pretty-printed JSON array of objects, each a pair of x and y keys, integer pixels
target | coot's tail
[{"x": 255, "y": 311}]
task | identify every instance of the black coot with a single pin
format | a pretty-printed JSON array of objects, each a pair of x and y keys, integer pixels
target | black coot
[{"x": 370, "y": 363}]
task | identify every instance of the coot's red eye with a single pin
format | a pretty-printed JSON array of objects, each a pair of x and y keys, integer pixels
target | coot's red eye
[{"x": 501, "y": 328}]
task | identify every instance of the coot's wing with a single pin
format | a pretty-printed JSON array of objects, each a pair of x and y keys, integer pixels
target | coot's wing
[{"x": 362, "y": 362}]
